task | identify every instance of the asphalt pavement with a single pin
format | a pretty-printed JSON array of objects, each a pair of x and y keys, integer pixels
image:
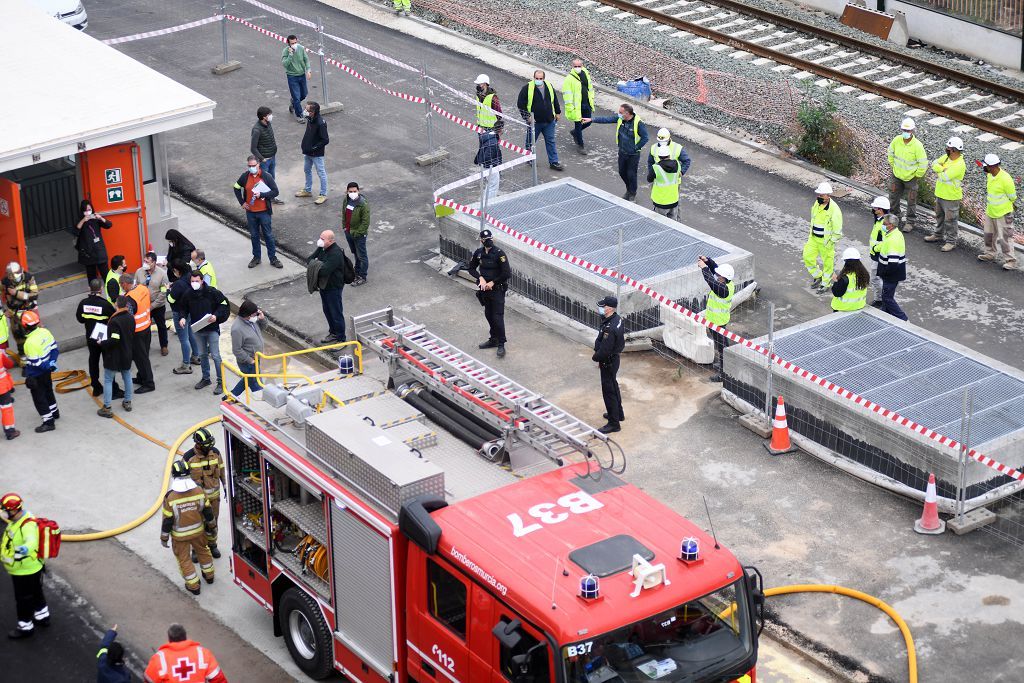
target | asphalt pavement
[{"x": 798, "y": 520}]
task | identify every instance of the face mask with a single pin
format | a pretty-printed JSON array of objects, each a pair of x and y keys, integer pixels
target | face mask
[
  {"x": 353, "y": 196},
  {"x": 17, "y": 277},
  {"x": 193, "y": 265},
  {"x": 481, "y": 89},
  {"x": 196, "y": 285},
  {"x": 821, "y": 200},
  {"x": 146, "y": 266},
  {"x": 253, "y": 318},
  {"x": 488, "y": 243},
  {"x": 4, "y": 516},
  {"x": 320, "y": 243},
  {"x": 577, "y": 69},
  {"x": 254, "y": 169},
  {"x": 908, "y": 135},
  {"x": 600, "y": 309},
  {"x": 270, "y": 117},
  {"x": 539, "y": 82},
  {"x": 620, "y": 116},
  {"x": 88, "y": 212}
]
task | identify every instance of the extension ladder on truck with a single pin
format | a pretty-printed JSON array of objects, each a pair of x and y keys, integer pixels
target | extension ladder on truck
[{"x": 522, "y": 416}]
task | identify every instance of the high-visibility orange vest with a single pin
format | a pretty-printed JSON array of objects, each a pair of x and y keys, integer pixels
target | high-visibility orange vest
[{"x": 140, "y": 293}]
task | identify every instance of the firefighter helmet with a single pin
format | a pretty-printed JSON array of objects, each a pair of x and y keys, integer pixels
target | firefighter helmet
[
  {"x": 11, "y": 502},
  {"x": 180, "y": 469},
  {"x": 203, "y": 438}
]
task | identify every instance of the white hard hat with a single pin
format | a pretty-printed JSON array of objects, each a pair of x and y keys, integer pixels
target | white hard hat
[
  {"x": 851, "y": 253},
  {"x": 880, "y": 203},
  {"x": 726, "y": 271},
  {"x": 824, "y": 188},
  {"x": 482, "y": 78},
  {"x": 955, "y": 143},
  {"x": 908, "y": 124},
  {"x": 663, "y": 151},
  {"x": 991, "y": 160},
  {"x": 664, "y": 134}
]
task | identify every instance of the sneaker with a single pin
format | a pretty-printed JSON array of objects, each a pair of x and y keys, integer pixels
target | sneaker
[
  {"x": 255, "y": 262},
  {"x": 330, "y": 339},
  {"x": 320, "y": 200},
  {"x": 582, "y": 149},
  {"x": 127, "y": 405},
  {"x": 556, "y": 166},
  {"x": 303, "y": 193},
  {"x": 948, "y": 247},
  {"x": 164, "y": 351},
  {"x": 182, "y": 370},
  {"x": 11, "y": 433},
  {"x": 1009, "y": 265},
  {"x": 45, "y": 427},
  {"x": 489, "y": 344},
  {"x": 105, "y": 411},
  {"x": 301, "y": 119},
  {"x": 145, "y": 389},
  {"x": 931, "y": 238},
  {"x": 986, "y": 257},
  {"x": 196, "y": 360},
  {"x": 277, "y": 263},
  {"x": 501, "y": 350},
  {"x": 277, "y": 200},
  {"x": 610, "y": 428},
  {"x": 218, "y": 388},
  {"x": 202, "y": 384},
  {"x": 358, "y": 282}
]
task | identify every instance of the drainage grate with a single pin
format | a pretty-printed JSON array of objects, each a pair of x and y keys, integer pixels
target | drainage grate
[{"x": 586, "y": 225}]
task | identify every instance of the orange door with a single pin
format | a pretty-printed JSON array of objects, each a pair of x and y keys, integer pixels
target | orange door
[
  {"x": 112, "y": 181},
  {"x": 12, "y": 231}
]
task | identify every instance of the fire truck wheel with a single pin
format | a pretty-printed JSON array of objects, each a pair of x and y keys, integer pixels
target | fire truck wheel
[{"x": 306, "y": 633}]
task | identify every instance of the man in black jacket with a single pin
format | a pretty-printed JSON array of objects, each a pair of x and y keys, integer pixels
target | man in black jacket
[
  {"x": 255, "y": 191},
  {"x": 538, "y": 104},
  {"x": 263, "y": 144},
  {"x": 332, "y": 275},
  {"x": 489, "y": 266},
  {"x": 92, "y": 310},
  {"x": 314, "y": 140},
  {"x": 206, "y": 303},
  {"x": 117, "y": 355},
  {"x": 611, "y": 340}
]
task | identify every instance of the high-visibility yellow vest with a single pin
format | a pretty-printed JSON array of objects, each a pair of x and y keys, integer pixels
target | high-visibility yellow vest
[
  {"x": 5, "y": 328},
  {"x": 719, "y": 310},
  {"x": 907, "y": 159},
  {"x": 950, "y": 174},
  {"x": 529, "y": 95},
  {"x": 851, "y": 300},
  {"x": 486, "y": 117},
  {"x": 827, "y": 221},
  {"x": 665, "y": 189},
  {"x": 876, "y": 236},
  {"x": 207, "y": 270},
  {"x": 1002, "y": 193},
  {"x": 674, "y": 151},
  {"x": 111, "y": 275},
  {"x": 636, "y": 129}
]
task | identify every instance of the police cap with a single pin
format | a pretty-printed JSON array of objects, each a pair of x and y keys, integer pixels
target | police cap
[
  {"x": 609, "y": 301},
  {"x": 485, "y": 234}
]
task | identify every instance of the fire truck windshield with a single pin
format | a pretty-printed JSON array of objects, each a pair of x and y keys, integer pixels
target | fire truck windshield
[{"x": 691, "y": 642}]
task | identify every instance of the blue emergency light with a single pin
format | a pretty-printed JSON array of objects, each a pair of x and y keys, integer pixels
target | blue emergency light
[
  {"x": 589, "y": 587},
  {"x": 346, "y": 365},
  {"x": 689, "y": 550}
]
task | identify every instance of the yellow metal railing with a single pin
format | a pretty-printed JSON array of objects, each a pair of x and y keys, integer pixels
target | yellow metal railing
[{"x": 285, "y": 376}]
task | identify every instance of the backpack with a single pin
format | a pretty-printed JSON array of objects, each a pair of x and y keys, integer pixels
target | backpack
[
  {"x": 349, "y": 276},
  {"x": 49, "y": 538}
]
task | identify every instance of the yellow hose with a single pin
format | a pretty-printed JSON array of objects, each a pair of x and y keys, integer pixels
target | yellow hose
[
  {"x": 172, "y": 452},
  {"x": 863, "y": 597}
]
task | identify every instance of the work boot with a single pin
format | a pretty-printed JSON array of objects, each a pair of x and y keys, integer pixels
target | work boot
[
  {"x": 931, "y": 238},
  {"x": 609, "y": 428},
  {"x": 164, "y": 351},
  {"x": 1009, "y": 265},
  {"x": 255, "y": 262},
  {"x": 218, "y": 388},
  {"x": 277, "y": 263},
  {"x": 202, "y": 384},
  {"x": 605, "y": 416},
  {"x": 105, "y": 411},
  {"x": 215, "y": 552},
  {"x": 303, "y": 193},
  {"x": 556, "y": 166},
  {"x": 45, "y": 427},
  {"x": 986, "y": 257},
  {"x": 97, "y": 391},
  {"x": 717, "y": 377},
  {"x": 182, "y": 370},
  {"x": 208, "y": 579},
  {"x": 581, "y": 148},
  {"x": 11, "y": 433},
  {"x": 330, "y": 339},
  {"x": 145, "y": 389},
  {"x": 877, "y": 303},
  {"x": 56, "y": 415},
  {"x": 195, "y": 591},
  {"x": 489, "y": 344},
  {"x": 17, "y": 633},
  {"x": 948, "y": 247},
  {"x": 501, "y": 350},
  {"x": 127, "y": 405},
  {"x": 320, "y": 200},
  {"x": 629, "y": 196}
]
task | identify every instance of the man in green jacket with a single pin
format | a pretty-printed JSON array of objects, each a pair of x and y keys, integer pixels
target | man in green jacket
[
  {"x": 357, "y": 225},
  {"x": 296, "y": 67},
  {"x": 19, "y": 553},
  {"x": 578, "y": 98}
]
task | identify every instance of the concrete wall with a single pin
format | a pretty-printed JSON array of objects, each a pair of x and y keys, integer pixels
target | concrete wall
[{"x": 944, "y": 31}]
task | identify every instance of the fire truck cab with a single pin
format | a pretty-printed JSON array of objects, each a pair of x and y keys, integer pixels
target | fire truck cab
[{"x": 390, "y": 549}]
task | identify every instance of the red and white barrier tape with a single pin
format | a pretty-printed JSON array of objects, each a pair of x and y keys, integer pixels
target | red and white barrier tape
[
  {"x": 283, "y": 15},
  {"x": 476, "y": 129},
  {"x": 786, "y": 365},
  {"x": 483, "y": 173},
  {"x": 516, "y": 121},
  {"x": 367, "y": 51},
  {"x": 162, "y": 31}
]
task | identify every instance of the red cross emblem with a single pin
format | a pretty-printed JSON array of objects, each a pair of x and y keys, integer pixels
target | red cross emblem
[{"x": 184, "y": 669}]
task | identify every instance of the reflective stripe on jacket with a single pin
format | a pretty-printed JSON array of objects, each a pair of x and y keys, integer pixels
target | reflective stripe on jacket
[
  {"x": 718, "y": 309},
  {"x": 1002, "y": 193},
  {"x": 40, "y": 352},
  {"x": 140, "y": 295},
  {"x": 892, "y": 257},
  {"x": 950, "y": 174},
  {"x": 907, "y": 158},
  {"x": 665, "y": 189},
  {"x": 573, "y": 95},
  {"x": 24, "y": 532},
  {"x": 853, "y": 299},
  {"x": 827, "y": 221}
]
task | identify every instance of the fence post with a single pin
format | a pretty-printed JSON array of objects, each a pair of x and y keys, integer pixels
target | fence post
[
  {"x": 618, "y": 262},
  {"x": 433, "y": 154},
  {"x": 768, "y": 389},
  {"x": 326, "y": 106},
  {"x": 965, "y": 440},
  {"x": 533, "y": 148},
  {"x": 227, "y": 65}
]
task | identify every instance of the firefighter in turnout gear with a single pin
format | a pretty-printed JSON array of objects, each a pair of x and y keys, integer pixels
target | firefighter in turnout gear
[
  {"x": 19, "y": 553},
  {"x": 207, "y": 468},
  {"x": 611, "y": 340},
  {"x": 187, "y": 519},
  {"x": 20, "y": 294},
  {"x": 826, "y": 231}
]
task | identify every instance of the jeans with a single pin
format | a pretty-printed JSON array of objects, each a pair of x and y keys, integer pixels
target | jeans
[
  {"x": 628, "y": 165},
  {"x": 259, "y": 223},
  {"x": 108, "y": 384},
  {"x": 358, "y": 247},
  {"x": 548, "y": 131},
  {"x": 334, "y": 311},
  {"x": 185, "y": 337},
  {"x": 889, "y": 304},
  {"x": 208, "y": 342},
  {"x": 308, "y": 163},
  {"x": 270, "y": 166},
  {"x": 298, "y": 90},
  {"x": 577, "y": 131},
  {"x": 247, "y": 368}
]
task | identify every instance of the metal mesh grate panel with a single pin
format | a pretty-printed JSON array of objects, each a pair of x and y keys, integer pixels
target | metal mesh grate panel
[
  {"x": 989, "y": 424},
  {"x": 506, "y": 208}
]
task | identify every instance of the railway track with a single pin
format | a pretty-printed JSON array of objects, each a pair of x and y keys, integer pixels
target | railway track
[{"x": 964, "y": 103}]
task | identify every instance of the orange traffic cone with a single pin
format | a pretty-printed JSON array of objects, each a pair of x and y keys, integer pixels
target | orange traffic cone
[
  {"x": 780, "y": 432},
  {"x": 930, "y": 522}
]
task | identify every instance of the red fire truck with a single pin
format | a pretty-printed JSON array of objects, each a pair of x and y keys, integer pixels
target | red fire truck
[{"x": 456, "y": 527}]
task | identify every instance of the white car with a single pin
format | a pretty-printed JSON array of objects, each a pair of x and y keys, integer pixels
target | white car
[{"x": 71, "y": 12}]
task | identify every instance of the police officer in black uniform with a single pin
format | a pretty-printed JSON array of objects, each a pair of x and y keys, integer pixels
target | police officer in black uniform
[
  {"x": 489, "y": 266},
  {"x": 611, "y": 339}
]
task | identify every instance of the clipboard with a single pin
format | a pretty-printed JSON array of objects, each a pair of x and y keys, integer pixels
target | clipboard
[
  {"x": 200, "y": 324},
  {"x": 99, "y": 332}
]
